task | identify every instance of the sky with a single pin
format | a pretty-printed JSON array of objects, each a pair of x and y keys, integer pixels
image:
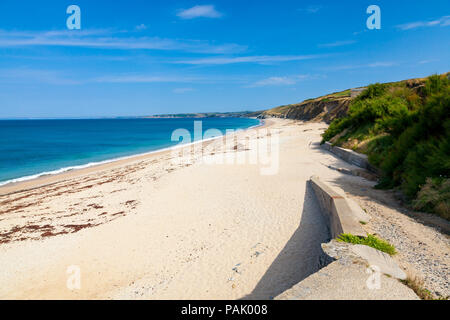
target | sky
[{"x": 135, "y": 58}]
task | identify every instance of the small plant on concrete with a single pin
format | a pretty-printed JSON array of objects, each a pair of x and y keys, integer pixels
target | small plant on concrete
[{"x": 370, "y": 241}]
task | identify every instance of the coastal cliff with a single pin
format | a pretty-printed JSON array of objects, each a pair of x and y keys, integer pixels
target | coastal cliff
[
  {"x": 326, "y": 108},
  {"x": 332, "y": 106}
]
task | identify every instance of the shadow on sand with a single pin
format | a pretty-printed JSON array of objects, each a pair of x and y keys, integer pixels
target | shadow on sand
[{"x": 301, "y": 255}]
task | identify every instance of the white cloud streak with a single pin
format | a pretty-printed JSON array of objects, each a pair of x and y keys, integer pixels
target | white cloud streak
[
  {"x": 427, "y": 61},
  {"x": 441, "y": 22},
  {"x": 102, "y": 39},
  {"x": 135, "y": 78},
  {"x": 141, "y": 27},
  {"x": 26, "y": 75},
  {"x": 337, "y": 44},
  {"x": 279, "y": 81},
  {"x": 379, "y": 64},
  {"x": 246, "y": 59},
  {"x": 61, "y": 77},
  {"x": 311, "y": 9},
  {"x": 205, "y": 11},
  {"x": 182, "y": 90}
]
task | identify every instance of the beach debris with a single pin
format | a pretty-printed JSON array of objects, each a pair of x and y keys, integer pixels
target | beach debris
[
  {"x": 256, "y": 245},
  {"x": 256, "y": 254},
  {"x": 258, "y": 249},
  {"x": 235, "y": 268},
  {"x": 132, "y": 203},
  {"x": 78, "y": 227},
  {"x": 95, "y": 206}
]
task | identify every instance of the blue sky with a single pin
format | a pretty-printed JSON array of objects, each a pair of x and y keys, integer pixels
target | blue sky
[{"x": 135, "y": 58}]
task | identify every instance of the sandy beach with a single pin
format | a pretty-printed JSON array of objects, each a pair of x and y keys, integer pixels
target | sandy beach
[{"x": 150, "y": 228}]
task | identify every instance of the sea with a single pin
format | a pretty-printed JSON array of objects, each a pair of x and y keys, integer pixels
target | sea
[{"x": 33, "y": 148}]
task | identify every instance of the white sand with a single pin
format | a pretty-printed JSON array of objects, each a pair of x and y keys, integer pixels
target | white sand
[{"x": 154, "y": 230}]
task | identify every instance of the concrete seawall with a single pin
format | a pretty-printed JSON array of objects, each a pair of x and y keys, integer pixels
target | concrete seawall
[
  {"x": 342, "y": 218},
  {"x": 350, "y": 156},
  {"x": 347, "y": 270}
]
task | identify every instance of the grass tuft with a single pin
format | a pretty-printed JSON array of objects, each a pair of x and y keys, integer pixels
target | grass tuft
[{"x": 370, "y": 241}]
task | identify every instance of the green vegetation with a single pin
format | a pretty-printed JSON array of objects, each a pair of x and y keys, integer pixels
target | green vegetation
[
  {"x": 342, "y": 94},
  {"x": 404, "y": 128},
  {"x": 434, "y": 196},
  {"x": 370, "y": 241},
  {"x": 334, "y": 95}
]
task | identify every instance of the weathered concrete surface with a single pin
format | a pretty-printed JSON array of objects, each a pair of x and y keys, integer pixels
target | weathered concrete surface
[
  {"x": 351, "y": 272},
  {"x": 342, "y": 218},
  {"x": 379, "y": 259},
  {"x": 358, "y": 212},
  {"x": 350, "y": 156},
  {"x": 344, "y": 251},
  {"x": 347, "y": 278}
]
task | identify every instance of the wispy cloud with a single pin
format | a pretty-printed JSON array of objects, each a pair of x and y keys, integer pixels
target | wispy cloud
[
  {"x": 141, "y": 27},
  {"x": 205, "y": 11},
  {"x": 379, "y": 64},
  {"x": 105, "y": 39},
  {"x": 182, "y": 90},
  {"x": 246, "y": 59},
  {"x": 428, "y": 61},
  {"x": 27, "y": 75},
  {"x": 311, "y": 9},
  {"x": 360, "y": 32},
  {"x": 67, "y": 77},
  {"x": 441, "y": 22},
  {"x": 279, "y": 81},
  {"x": 337, "y": 44},
  {"x": 137, "y": 78}
]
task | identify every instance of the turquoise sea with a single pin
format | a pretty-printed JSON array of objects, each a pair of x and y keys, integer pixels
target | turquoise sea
[{"x": 31, "y": 148}]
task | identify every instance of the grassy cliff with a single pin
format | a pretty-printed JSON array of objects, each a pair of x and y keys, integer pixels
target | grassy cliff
[{"x": 404, "y": 128}]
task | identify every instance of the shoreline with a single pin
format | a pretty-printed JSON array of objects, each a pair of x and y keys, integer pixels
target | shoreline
[{"x": 44, "y": 179}]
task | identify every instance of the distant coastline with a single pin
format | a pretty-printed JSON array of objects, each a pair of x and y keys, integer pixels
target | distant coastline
[{"x": 239, "y": 114}]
